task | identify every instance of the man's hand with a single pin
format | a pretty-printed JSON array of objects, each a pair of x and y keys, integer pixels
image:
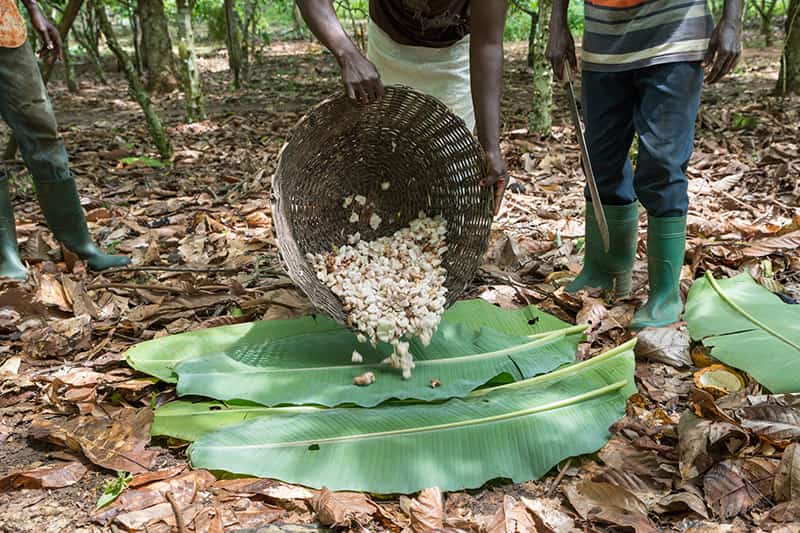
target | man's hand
[
  {"x": 724, "y": 50},
  {"x": 52, "y": 48},
  {"x": 561, "y": 48},
  {"x": 497, "y": 176},
  {"x": 361, "y": 79}
]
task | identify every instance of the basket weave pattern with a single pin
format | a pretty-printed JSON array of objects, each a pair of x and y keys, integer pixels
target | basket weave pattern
[{"x": 432, "y": 162}]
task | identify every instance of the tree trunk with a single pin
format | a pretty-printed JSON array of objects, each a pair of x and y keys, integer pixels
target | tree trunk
[
  {"x": 532, "y": 37},
  {"x": 87, "y": 34},
  {"x": 789, "y": 79},
  {"x": 69, "y": 72},
  {"x": 541, "y": 118},
  {"x": 135, "y": 88},
  {"x": 193, "y": 94},
  {"x": 156, "y": 47},
  {"x": 233, "y": 40}
]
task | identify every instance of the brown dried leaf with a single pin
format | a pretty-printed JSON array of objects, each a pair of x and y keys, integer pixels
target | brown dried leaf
[
  {"x": 158, "y": 475},
  {"x": 59, "y": 338},
  {"x": 209, "y": 520},
  {"x": 258, "y": 219},
  {"x": 665, "y": 345},
  {"x": 343, "y": 509},
  {"x": 726, "y": 490},
  {"x": 270, "y": 488},
  {"x": 183, "y": 489},
  {"x": 53, "y": 476},
  {"x": 593, "y": 312},
  {"x": 9, "y": 319},
  {"x": 682, "y": 501},
  {"x": 778, "y": 424},
  {"x": 426, "y": 511},
  {"x": 610, "y": 504},
  {"x": 116, "y": 443},
  {"x": 548, "y": 516},
  {"x": 787, "y": 477},
  {"x": 51, "y": 292},
  {"x": 785, "y": 243},
  {"x": 11, "y": 366},
  {"x": 511, "y": 517}
]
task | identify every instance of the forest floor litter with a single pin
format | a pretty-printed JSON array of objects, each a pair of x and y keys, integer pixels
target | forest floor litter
[{"x": 686, "y": 457}]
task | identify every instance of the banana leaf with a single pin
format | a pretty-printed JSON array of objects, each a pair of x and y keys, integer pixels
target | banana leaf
[
  {"x": 188, "y": 420},
  {"x": 313, "y": 368},
  {"x": 245, "y": 342},
  {"x": 748, "y": 328},
  {"x": 517, "y": 431}
]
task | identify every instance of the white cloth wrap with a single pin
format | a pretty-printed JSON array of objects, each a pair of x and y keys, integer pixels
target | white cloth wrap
[{"x": 439, "y": 72}]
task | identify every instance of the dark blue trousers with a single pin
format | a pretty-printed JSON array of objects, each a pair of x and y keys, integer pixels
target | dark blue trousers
[{"x": 659, "y": 103}]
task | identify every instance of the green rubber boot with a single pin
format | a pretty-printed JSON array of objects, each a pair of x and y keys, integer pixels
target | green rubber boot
[
  {"x": 666, "y": 247},
  {"x": 610, "y": 270},
  {"x": 11, "y": 266},
  {"x": 62, "y": 210}
]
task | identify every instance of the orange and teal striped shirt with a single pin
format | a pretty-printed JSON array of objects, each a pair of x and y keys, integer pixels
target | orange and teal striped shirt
[{"x": 624, "y": 35}]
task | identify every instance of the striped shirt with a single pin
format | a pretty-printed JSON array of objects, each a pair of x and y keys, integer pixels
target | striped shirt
[{"x": 624, "y": 35}]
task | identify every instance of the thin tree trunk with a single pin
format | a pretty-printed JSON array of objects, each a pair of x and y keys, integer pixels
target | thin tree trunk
[
  {"x": 137, "y": 37},
  {"x": 156, "y": 46},
  {"x": 233, "y": 40},
  {"x": 135, "y": 87},
  {"x": 87, "y": 34},
  {"x": 541, "y": 117},
  {"x": 789, "y": 79},
  {"x": 193, "y": 94},
  {"x": 69, "y": 72}
]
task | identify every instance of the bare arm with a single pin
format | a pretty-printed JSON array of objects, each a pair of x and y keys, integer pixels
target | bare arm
[
  {"x": 560, "y": 45},
  {"x": 725, "y": 45},
  {"x": 486, "y": 71},
  {"x": 51, "y": 39},
  {"x": 361, "y": 79}
]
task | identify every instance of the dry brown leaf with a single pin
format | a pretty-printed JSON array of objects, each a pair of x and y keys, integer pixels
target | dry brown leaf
[
  {"x": 258, "y": 514},
  {"x": 511, "y": 517},
  {"x": 786, "y": 512},
  {"x": 10, "y": 366},
  {"x": 610, "y": 504},
  {"x": 343, "y": 509},
  {"x": 259, "y": 219},
  {"x": 53, "y": 476},
  {"x": 773, "y": 421},
  {"x": 51, "y": 292},
  {"x": 771, "y": 245},
  {"x": 726, "y": 490},
  {"x": 665, "y": 345},
  {"x": 150, "y": 477},
  {"x": 787, "y": 477},
  {"x": 116, "y": 443},
  {"x": 593, "y": 312},
  {"x": 270, "y": 488},
  {"x": 59, "y": 338},
  {"x": 682, "y": 501},
  {"x": 426, "y": 511},
  {"x": 183, "y": 489},
  {"x": 9, "y": 319},
  {"x": 548, "y": 516},
  {"x": 209, "y": 520},
  {"x": 79, "y": 299}
]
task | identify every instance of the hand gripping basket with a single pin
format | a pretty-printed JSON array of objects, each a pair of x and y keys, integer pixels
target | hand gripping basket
[{"x": 432, "y": 162}]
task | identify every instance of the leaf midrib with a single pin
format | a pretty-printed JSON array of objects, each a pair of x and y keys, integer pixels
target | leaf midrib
[
  {"x": 452, "y": 425},
  {"x": 544, "y": 341}
]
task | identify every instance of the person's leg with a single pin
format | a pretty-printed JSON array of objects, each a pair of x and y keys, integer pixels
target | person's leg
[
  {"x": 26, "y": 108},
  {"x": 10, "y": 264},
  {"x": 608, "y": 102},
  {"x": 665, "y": 117}
]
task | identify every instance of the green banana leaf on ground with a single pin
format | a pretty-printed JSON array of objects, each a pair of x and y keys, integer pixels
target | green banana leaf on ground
[
  {"x": 749, "y": 328},
  {"x": 306, "y": 361},
  {"x": 517, "y": 431}
]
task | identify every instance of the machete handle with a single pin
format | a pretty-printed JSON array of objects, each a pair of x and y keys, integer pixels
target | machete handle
[{"x": 567, "y": 76}]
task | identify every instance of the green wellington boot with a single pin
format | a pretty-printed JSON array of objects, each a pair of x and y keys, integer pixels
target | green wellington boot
[
  {"x": 11, "y": 266},
  {"x": 666, "y": 246},
  {"x": 610, "y": 270},
  {"x": 62, "y": 210}
]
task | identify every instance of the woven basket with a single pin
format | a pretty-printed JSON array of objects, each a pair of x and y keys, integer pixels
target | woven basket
[{"x": 432, "y": 162}]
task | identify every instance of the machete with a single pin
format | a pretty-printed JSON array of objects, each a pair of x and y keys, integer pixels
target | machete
[{"x": 587, "y": 165}]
